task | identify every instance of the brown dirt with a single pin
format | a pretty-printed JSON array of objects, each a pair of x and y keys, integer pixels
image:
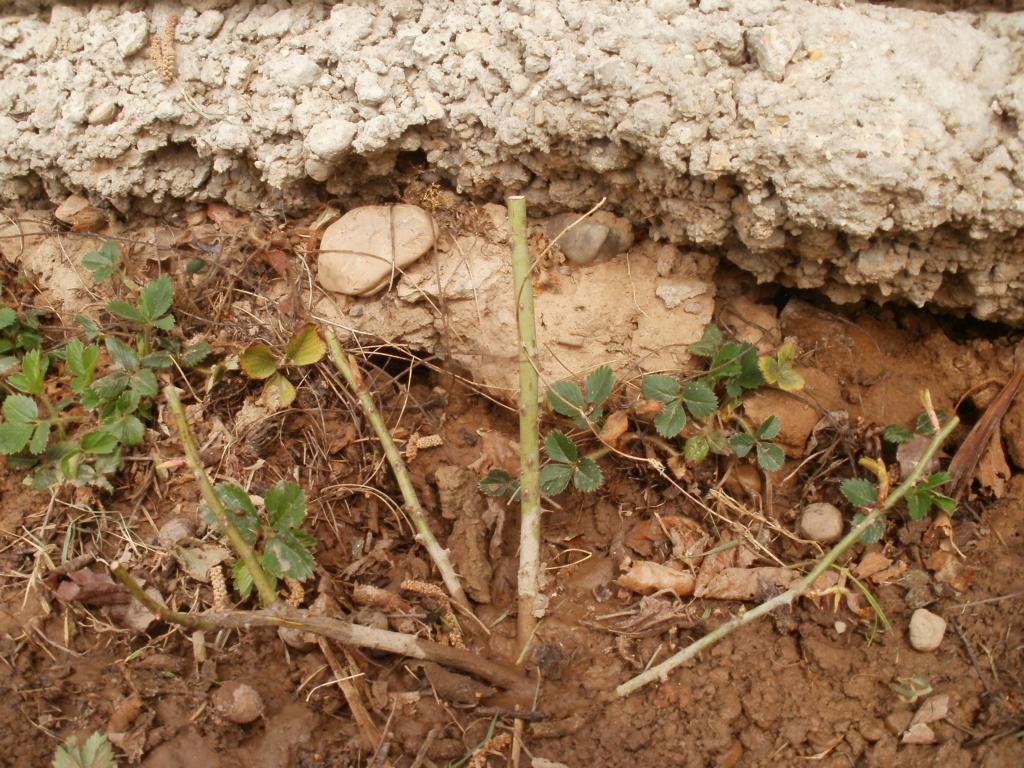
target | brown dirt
[{"x": 811, "y": 686}]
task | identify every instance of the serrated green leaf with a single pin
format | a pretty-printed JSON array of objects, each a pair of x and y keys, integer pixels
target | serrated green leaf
[
  {"x": 125, "y": 311},
  {"x": 696, "y": 449},
  {"x": 741, "y": 444},
  {"x": 33, "y": 371},
  {"x": 786, "y": 353},
  {"x": 122, "y": 354},
  {"x": 40, "y": 438},
  {"x": 258, "y": 361},
  {"x": 498, "y": 482},
  {"x": 99, "y": 441},
  {"x": 700, "y": 399},
  {"x": 554, "y": 478},
  {"x": 14, "y": 437},
  {"x": 286, "y": 506},
  {"x": 896, "y": 435},
  {"x": 94, "y": 752},
  {"x": 874, "y": 532},
  {"x": 305, "y": 347},
  {"x": 671, "y": 420},
  {"x": 144, "y": 383},
  {"x": 28, "y": 340},
  {"x": 81, "y": 361},
  {"x": 129, "y": 430},
  {"x": 728, "y": 361},
  {"x": 860, "y": 493},
  {"x": 770, "y": 457},
  {"x": 7, "y": 317},
  {"x": 20, "y": 409},
  {"x": 110, "y": 386},
  {"x": 918, "y": 503},
  {"x": 599, "y": 385},
  {"x": 156, "y": 360},
  {"x": 560, "y": 448},
  {"x": 658, "y": 386},
  {"x": 709, "y": 342},
  {"x": 769, "y": 428},
  {"x": 779, "y": 371},
  {"x": 102, "y": 263},
  {"x": 165, "y": 323},
  {"x": 587, "y": 476},
  {"x": 155, "y": 299},
  {"x": 88, "y": 326},
  {"x": 70, "y": 463},
  {"x": 238, "y": 505},
  {"x": 717, "y": 442},
  {"x": 934, "y": 480},
  {"x": 195, "y": 354},
  {"x": 750, "y": 376},
  {"x": 566, "y": 398},
  {"x": 944, "y": 502},
  {"x": 241, "y": 578},
  {"x": 285, "y": 557}
]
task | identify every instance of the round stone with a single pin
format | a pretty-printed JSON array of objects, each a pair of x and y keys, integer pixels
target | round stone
[
  {"x": 926, "y": 630},
  {"x": 238, "y": 702},
  {"x": 821, "y": 522},
  {"x": 330, "y": 139},
  {"x": 363, "y": 251}
]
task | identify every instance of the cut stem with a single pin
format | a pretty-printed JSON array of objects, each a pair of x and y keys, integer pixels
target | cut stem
[
  {"x": 267, "y": 593},
  {"x": 529, "y": 438},
  {"x": 660, "y": 672},
  {"x": 347, "y": 367}
]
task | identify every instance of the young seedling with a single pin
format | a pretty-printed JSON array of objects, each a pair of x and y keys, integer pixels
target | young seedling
[
  {"x": 778, "y": 370},
  {"x": 696, "y": 397},
  {"x": 261, "y": 362},
  {"x": 282, "y": 550},
  {"x": 583, "y": 406},
  {"x": 567, "y": 466},
  {"x": 732, "y": 365},
  {"x": 93, "y": 752},
  {"x": 769, "y": 456}
]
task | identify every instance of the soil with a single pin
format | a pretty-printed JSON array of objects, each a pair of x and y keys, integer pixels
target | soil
[{"x": 811, "y": 685}]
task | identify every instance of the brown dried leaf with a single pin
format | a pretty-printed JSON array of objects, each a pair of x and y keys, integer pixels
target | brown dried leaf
[
  {"x": 748, "y": 584},
  {"x": 870, "y": 564},
  {"x": 496, "y": 452},
  {"x": 919, "y": 733},
  {"x": 993, "y": 472},
  {"x": 222, "y": 214},
  {"x": 949, "y": 569},
  {"x": 646, "y": 408},
  {"x": 615, "y": 427},
  {"x": 88, "y": 587},
  {"x": 277, "y": 260},
  {"x": 933, "y": 709},
  {"x": 646, "y": 577}
]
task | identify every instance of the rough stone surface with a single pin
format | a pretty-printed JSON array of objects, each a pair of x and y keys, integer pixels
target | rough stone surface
[
  {"x": 821, "y": 522},
  {"x": 926, "y": 630},
  {"x": 599, "y": 236},
  {"x": 364, "y": 250},
  {"x": 867, "y": 150}
]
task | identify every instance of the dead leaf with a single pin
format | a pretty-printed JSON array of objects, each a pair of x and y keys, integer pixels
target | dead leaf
[
  {"x": 949, "y": 569},
  {"x": 197, "y": 561},
  {"x": 918, "y": 734},
  {"x": 87, "y": 587},
  {"x": 993, "y": 472},
  {"x": 646, "y": 408},
  {"x": 646, "y": 577},
  {"x": 934, "y": 708},
  {"x": 496, "y": 452},
  {"x": 222, "y": 214},
  {"x": 910, "y": 452},
  {"x": 614, "y": 427},
  {"x": 747, "y": 584},
  {"x": 277, "y": 260}
]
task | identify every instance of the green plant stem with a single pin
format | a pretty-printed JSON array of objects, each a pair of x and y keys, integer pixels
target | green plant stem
[
  {"x": 347, "y": 368},
  {"x": 529, "y": 434},
  {"x": 343, "y": 632},
  {"x": 660, "y": 672},
  {"x": 268, "y": 594}
]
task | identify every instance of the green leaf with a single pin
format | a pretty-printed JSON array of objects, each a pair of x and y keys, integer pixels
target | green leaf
[
  {"x": 671, "y": 420},
  {"x": 195, "y": 266},
  {"x": 20, "y": 409},
  {"x": 770, "y": 457},
  {"x": 741, "y": 444},
  {"x": 110, "y": 386},
  {"x": 873, "y": 533},
  {"x": 94, "y": 752},
  {"x": 599, "y": 385},
  {"x": 769, "y": 428},
  {"x": 498, "y": 482},
  {"x": 658, "y": 386},
  {"x": 7, "y": 317},
  {"x": 14, "y": 437},
  {"x": 195, "y": 354},
  {"x": 750, "y": 376},
  {"x": 241, "y": 578},
  {"x": 700, "y": 399},
  {"x": 934, "y": 480},
  {"x": 860, "y": 493},
  {"x": 918, "y": 503},
  {"x": 560, "y": 448},
  {"x": 778, "y": 370},
  {"x": 305, "y": 347},
  {"x": 238, "y": 506},
  {"x": 6, "y": 363},
  {"x": 91, "y": 329},
  {"x": 696, "y": 449},
  {"x": 128, "y": 430},
  {"x": 125, "y": 311},
  {"x": 144, "y": 383},
  {"x": 165, "y": 323},
  {"x": 157, "y": 360},
  {"x": 278, "y": 392},
  {"x": 587, "y": 475},
  {"x": 70, "y": 463},
  {"x": 40, "y": 438},
  {"x": 81, "y": 360},
  {"x": 923, "y": 425},
  {"x": 258, "y": 361},
  {"x": 156, "y": 298},
  {"x": 102, "y": 263},
  {"x": 286, "y": 506},
  {"x": 708, "y": 344},
  {"x": 33, "y": 371},
  {"x": 717, "y": 442},
  {"x": 896, "y": 434},
  {"x": 728, "y": 361},
  {"x": 99, "y": 441},
  {"x": 285, "y": 557},
  {"x": 566, "y": 398},
  {"x": 122, "y": 354},
  {"x": 554, "y": 478}
]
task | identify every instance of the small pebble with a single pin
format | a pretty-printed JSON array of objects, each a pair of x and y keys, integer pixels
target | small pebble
[
  {"x": 175, "y": 530},
  {"x": 926, "y": 630},
  {"x": 822, "y": 522},
  {"x": 238, "y": 702}
]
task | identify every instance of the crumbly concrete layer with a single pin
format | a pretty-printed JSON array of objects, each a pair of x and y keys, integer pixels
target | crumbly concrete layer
[{"x": 868, "y": 151}]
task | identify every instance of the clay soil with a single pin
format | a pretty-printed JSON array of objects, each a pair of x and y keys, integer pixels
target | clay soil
[{"x": 811, "y": 686}]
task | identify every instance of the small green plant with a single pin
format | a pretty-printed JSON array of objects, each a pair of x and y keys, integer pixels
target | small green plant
[
  {"x": 769, "y": 456},
  {"x": 262, "y": 363},
  {"x": 282, "y": 549},
  {"x": 567, "y": 466},
  {"x": 94, "y": 752},
  {"x": 896, "y": 434},
  {"x": 584, "y": 406}
]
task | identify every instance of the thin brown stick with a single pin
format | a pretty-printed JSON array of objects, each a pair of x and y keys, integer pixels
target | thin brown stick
[{"x": 371, "y": 734}]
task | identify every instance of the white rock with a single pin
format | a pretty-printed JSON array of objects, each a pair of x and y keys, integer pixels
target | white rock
[
  {"x": 821, "y": 522},
  {"x": 209, "y": 23},
  {"x": 369, "y": 90},
  {"x": 773, "y": 48},
  {"x": 331, "y": 138},
  {"x": 358, "y": 252},
  {"x": 926, "y": 630},
  {"x": 132, "y": 33},
  {"x": 676, "y": 292},
  {"x": 102, "y": 113},
  {"x": 276, "y": 25}
]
